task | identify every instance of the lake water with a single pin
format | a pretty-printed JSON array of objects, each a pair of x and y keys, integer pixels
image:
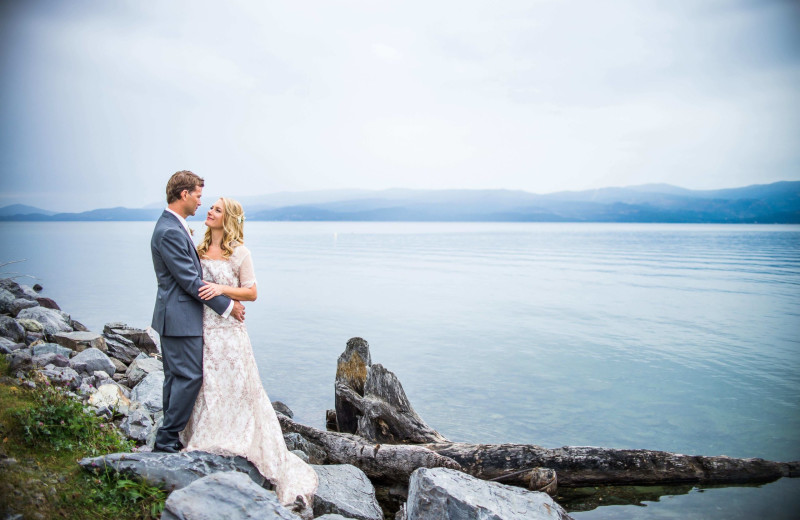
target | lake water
[{"x": 681, "y": 338}]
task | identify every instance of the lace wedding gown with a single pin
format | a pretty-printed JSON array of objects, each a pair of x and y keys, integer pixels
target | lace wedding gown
[{"x": 232, "y": 414}]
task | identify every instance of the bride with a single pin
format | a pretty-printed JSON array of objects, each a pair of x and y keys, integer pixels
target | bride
[{"x": 232, "y": 414}]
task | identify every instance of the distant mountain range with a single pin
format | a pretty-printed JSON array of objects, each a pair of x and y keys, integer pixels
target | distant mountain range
[{"x": 765, "y": 203}]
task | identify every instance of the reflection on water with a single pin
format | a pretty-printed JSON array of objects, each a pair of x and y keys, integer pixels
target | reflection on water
[{"x": 679, "y": 338}]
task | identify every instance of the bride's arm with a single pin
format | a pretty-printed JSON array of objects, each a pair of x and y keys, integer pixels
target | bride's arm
[{"x": 243, "y": 294}]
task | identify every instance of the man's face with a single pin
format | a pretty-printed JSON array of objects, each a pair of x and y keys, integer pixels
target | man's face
[{"x": 192, "y": 201}]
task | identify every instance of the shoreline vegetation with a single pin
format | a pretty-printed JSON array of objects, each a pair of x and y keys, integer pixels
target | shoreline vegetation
[
  {"x": 776, "y": 203},
  {"x": 79, "y": 411}
]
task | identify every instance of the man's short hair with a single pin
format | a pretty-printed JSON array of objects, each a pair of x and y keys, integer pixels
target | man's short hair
[{"x": 182, "y": 180}]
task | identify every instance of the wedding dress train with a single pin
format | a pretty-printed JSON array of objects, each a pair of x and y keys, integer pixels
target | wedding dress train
[{"x": 233, "y": 414}]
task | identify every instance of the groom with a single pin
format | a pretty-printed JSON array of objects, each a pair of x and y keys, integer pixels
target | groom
[{"x": 178, "y": 314}]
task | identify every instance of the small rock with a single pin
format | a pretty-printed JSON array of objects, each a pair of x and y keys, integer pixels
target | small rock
[
  {"x": 47, "y": 303},
  {"x": 9, "y": 328},
  {"x": 50, "y": 359},
  {"x": 30, "y": 325},
  {"x": 150, "y": 392},
  {"x": 37, "y": 287},
  {"x": 137, "y": 425},
  {"x": 344, "y": 489},
  {"x": 119, "y": 366},
  {"x": 80, "y": 341},
  {"x": 296, "y": 442},
  {"x": 64, "y": 376},
  {"x": 230, "y": 495},
  {"x": 110, "y": 396},
  {"x": 141, "y": 368},
  {"x": 22, "y": 303},
  {"x": 8, "y": 346},
  {"x": 52, "y": 320},
  {"x": 20, "y": 359},
  {"x": 281, "y": 408},
  {"x": 90, "y": 360},
  {"x": 51, "y": 348}
]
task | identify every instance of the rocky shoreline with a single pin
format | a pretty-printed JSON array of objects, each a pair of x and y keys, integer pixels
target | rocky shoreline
[{"x": 118, "y": 375}]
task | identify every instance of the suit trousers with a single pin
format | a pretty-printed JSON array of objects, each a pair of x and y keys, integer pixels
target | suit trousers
[{"x": 182, "y": 357}]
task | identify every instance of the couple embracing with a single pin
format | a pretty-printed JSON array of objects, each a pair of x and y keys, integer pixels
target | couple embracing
[{"x": 213, "y": 397}]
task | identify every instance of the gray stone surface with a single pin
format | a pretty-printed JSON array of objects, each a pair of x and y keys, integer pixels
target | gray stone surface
[
  {"x": 30, "y": 325},
  {"x": 51, "y": 348},
  {"x": 139, "y": 337},
  {"x": 332, "y": 517},
  {"x": 141, "y": 368},
  {"x": 119, "y": 366},
  {"x": 229, "y": 495},
  {"x": 6, "y": 297},
  {"x": 92, "y": 359},
  {"x": 345, "y": 490},
  {"x": 150, "y": 392},
  {"x": 172, "y": 470},
  {"x": 52, "y": 320},
  {"x": 8, "y": 346},
  {"x": 295, "y": 441},
  {"x": 280, "y": 407},
  {"x": 19, "y": 359},
  {"x": 121, "y": 348},
  {"x": 137, "y": 424},
  {"x": 110, "y": 396},
  {"x": 22, "y": 303},
  {"x": 9, "y": 328},
  {"x": 13, "y": 287},
  {"x": 442, "y": 494},
  {"x": 50, "y": 359},
  {"x": 80, "y": 341},
  {"x": 65, "y": 376}
]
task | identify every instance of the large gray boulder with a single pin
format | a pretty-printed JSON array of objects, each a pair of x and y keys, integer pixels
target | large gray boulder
[
  {"x": 6, "y": 298},
  {"x": 9, "y": 328},
  {"x": 80, "y": 341},
  {"x": 52, "y": 321},
  {"x": 50, "y": 359},
  {"x": 139, "y": 337},
  {"x": 141, "y": 368},
  {"x": 51, "y": 348},
  {"x": 90, "y": 360},
  {"x": 442, "y": 494},
  {"x": 230, "y": 495},
  {"x": 150, "y": 392},
  {"x": 121, "y": 348},
  {"x": 345, "y": 490},
  {"x": 21, "y": 303},
  {"x": 172, "y": 470}
]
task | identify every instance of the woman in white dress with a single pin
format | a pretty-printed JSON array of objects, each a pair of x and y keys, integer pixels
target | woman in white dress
[{"x": 232, "y": 414}]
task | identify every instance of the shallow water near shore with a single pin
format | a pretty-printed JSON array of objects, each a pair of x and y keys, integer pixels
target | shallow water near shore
[{"x": 681, "y": 338}]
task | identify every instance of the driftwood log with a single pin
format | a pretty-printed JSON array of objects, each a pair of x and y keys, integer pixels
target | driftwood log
[
  {"x": 371, "y": 402},
  {"x": 383, "y": 462}
]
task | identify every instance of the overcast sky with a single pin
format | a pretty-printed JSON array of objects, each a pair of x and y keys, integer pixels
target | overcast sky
[{"x": 102, "y": 100}]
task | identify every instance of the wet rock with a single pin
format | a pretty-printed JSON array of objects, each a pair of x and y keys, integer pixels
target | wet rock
[
  {"x": 172, "y": 470},
  {"x": 230, "y": 495},
  {"x": 51, "y": 348},
  {"x": 80, "y": 341},
  {"x": 345, "y": 490},
  {"x": 441, "y": 494},
  {"x": 9, "y": 328},
  {"x": 30, "y": 325},
  {"x": 279, "y": 407},
  {"x": 92, "y": 359},
  {"x": 141, "y": 368},
  {"x": 150, "y": 392},
  {"x": 139, "y": 337},
  {"x": 52, "y": 320}
]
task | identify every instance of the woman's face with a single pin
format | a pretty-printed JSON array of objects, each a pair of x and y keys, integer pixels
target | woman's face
[{"x": 215, "y": 216}]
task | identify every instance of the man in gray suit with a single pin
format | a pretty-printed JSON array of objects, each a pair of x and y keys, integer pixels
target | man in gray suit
[{"x": 178, "y": 314}]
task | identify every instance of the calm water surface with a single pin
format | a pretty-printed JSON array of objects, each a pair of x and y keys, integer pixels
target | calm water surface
[{"x": 682, "y": 338}]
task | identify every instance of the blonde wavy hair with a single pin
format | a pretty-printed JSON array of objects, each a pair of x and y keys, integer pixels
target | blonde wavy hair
[{"x": 232, "y": 229}]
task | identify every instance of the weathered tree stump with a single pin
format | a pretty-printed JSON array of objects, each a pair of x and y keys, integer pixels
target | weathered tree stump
[{"x": 371, "y": 402}]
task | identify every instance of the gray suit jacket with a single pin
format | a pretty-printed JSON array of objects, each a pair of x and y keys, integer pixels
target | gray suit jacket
[{"x": 179, "y": 309}]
